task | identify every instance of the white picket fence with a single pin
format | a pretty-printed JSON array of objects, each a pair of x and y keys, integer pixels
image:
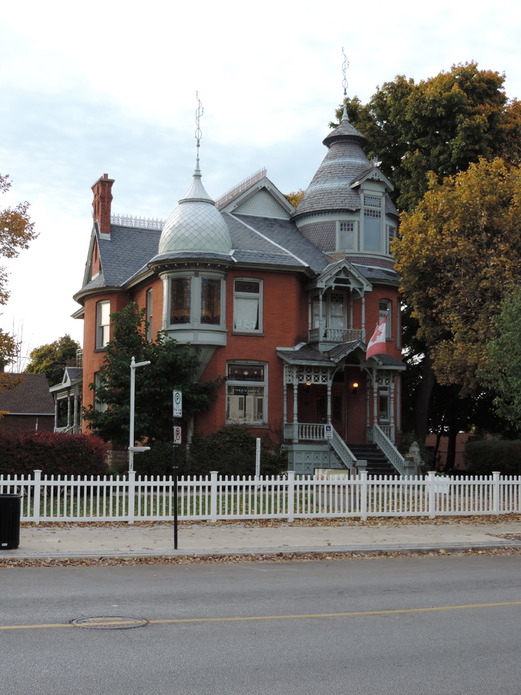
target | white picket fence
[{"x": 132, "y": 498}]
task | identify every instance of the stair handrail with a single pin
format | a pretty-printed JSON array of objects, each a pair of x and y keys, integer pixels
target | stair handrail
[
  {"x": 343, "y": 451},
  {"x": 392, "y": 454}
]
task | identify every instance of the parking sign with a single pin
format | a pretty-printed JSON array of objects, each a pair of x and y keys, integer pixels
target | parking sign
[
  {"x": 177, "y": 435},
  {"x": 178, "y": 404}
]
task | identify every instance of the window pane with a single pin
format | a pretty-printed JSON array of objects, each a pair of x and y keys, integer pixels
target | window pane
[
  {"x": 372, "y": 230},
  {"x": 102, "y": 324},
  {"x": 180, "y": 300},
  {"x": 246, "y": 314},
  {"x": 247, "y": 305},
  {"x": 211, "y": 301},
  {"x": 245, "y": 403},
  {"x": 347, "y": 236},
  {"x": 246, "y": 372}
]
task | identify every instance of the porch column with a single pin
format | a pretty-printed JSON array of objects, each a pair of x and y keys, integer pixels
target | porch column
[
  {"x": 295, "y": 406},
  {"x": 75, "y": 419},
  {"x": 363, "y": 317},
  {"x": 368, "y": 409},
  {"x": 55, "y": 413},
  {"x": 375, "y": 399},
  {"x": 329, "y": 390},
  {"x": 68, "y": 407},
  {"x": 391, "y": 407}
]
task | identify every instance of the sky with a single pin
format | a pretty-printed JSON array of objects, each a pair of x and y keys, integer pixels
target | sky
[{"x": 110, "y": 87}]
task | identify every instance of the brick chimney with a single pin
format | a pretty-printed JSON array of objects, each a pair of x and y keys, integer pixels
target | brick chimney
[{"x": 101, "y": 203}]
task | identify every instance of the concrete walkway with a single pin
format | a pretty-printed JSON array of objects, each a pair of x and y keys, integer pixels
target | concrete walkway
[{"x": 142, "y": 540}]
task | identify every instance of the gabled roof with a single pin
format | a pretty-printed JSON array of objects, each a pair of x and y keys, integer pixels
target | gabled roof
[
  {"x": 333, "y": 274},
  {"x": 71, "y": 376},
  {"x": 30, "y": 397},
  {"x": 257, "y": 197}
]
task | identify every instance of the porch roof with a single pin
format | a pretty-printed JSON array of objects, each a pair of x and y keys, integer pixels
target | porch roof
[{"x": 306, "y": 354}]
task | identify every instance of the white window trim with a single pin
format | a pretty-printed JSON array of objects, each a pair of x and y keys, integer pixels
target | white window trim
[
  {"x": 102, "y": 335},
  {"x": 238, "y": 383}
]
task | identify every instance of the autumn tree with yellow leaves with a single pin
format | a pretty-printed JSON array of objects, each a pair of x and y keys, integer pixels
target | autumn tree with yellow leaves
[{"x": 459, "y": 256}]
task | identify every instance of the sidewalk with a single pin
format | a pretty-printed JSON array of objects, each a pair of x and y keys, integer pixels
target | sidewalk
[{"x": 153, "y": 540}]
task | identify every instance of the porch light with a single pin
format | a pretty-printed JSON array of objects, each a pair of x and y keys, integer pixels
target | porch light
[{"x": 355, "y": 386}]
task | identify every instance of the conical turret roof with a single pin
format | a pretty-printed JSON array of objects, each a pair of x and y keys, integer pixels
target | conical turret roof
[{"x": 344, "y": 163}]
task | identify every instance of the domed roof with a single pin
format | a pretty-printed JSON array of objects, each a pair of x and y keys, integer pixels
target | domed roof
[{"x": 195, "y": 225}]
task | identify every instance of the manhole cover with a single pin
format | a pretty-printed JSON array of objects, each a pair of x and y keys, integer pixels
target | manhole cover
[{"x": 110, "y": 622}]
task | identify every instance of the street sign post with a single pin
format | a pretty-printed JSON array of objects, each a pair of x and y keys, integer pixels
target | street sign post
[{"x": 177, "y": 401}]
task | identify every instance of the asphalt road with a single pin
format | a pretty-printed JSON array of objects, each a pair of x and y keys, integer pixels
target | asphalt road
[{"x": 381, "y": 626}]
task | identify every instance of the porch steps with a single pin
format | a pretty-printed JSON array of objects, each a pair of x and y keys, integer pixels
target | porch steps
[{"x": 377, "y": 463}]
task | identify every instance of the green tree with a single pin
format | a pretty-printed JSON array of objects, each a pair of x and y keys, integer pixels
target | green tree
[
  {"x": 16, "y": 232},
  {"x": 502, "y": 371},
  {"x": 51, "y": 359},
  {"x": 439, "y": 125},
  {"x": 172, "y": 366},
  {"x": 458, "y": 256}
]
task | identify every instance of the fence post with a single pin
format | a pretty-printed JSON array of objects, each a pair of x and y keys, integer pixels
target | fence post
[
  {"x": 291, "y": 496},
  {"x": 37, "y": 495},
  {"x": 495, "y": 492},
  {"x": 364, "y": 490},
  {"x": 213, "y": 495},
  {"x": 431, "y": 492},
  {"x": 131, "y": 497}
]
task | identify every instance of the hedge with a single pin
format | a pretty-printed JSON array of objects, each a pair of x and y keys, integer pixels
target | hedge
[
  {"x": 482, "y": 457},
  {"x": 53, "y": 454}
]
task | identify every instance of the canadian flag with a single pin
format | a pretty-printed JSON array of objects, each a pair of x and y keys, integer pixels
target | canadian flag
[{"x": 377, "y": 344}]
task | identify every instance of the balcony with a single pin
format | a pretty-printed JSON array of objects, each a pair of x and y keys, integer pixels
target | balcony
[{"x": 334, "y": 335}]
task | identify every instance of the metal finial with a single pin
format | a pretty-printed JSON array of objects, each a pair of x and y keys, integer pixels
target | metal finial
[
  {"x": 198, "y": 113},
  {"x": 345, "y": 65}
]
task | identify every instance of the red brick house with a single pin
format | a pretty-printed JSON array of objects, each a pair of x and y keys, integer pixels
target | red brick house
[{"x": 281, "y": 301}]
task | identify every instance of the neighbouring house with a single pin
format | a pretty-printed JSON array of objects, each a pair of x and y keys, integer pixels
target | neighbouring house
[
  {"x": 28, "y": 407},
  {"x": 67, "y": 397},
  {"x": 281, "y": 301}
]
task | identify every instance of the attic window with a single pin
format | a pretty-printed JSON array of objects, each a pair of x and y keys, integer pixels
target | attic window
[{"x": 373, "y": 201}]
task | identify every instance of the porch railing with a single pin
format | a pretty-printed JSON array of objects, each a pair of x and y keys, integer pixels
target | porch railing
[
  {"x": 307, "y": 431},
  {"x": 343, "y": 451},
  {"x": 383, "y": 442},
  {"x": 334, "y": 335}
]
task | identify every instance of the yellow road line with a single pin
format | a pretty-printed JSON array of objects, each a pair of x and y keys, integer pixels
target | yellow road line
[{"x": 303, "y": 616}]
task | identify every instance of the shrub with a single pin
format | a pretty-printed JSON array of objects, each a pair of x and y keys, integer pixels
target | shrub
[
  {"x": 482, "y": 457},
  {"x": 159, "y": 460},
  {"x": 52, "y": 453},
  {"x": 231, "y": 451}
]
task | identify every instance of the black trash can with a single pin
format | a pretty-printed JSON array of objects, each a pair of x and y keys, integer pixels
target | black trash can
[{"x": 9, "y": 521}]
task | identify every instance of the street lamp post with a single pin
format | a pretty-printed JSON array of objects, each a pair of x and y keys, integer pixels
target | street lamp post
[{"x": 131, "y": 448}]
